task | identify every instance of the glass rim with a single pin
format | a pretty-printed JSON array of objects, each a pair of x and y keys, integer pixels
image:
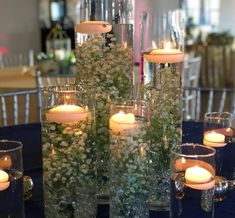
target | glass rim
[
  {"x": 212, "y": 153},
  {"x": 66, "y": 88},
  {"x": 122, "y": 102},
  {"x": 18, "y": 146},
  {"x": 218, "y": 115}
]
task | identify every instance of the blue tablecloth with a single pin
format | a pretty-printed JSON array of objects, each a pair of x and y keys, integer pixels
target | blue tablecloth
[{"x": 30, "y": 136}]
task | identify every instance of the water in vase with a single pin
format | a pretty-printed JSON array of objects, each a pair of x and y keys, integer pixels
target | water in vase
[{"x": 162, "y": 87}]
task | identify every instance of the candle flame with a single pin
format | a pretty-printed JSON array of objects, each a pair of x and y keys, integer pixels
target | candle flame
[
  {"x": 154, "y": 45},
  {"x": 167, "y": 45},
  {"x": 121, "y": 114}
]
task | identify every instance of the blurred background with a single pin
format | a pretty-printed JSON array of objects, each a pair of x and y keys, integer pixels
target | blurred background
[{"x": 27, "y": 26}]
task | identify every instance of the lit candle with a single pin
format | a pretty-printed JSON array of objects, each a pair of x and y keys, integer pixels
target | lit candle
[
  {"x": 4, "y": 183},
  {"x": 199, "y": 178},
  {"x": 93, "y": 27},
  {"x": 121, "y": 121},
  {"x": 165, "y": 55},
  {"x": 214, "y": 139},
  {"x": 182, "y": 164},
  {"x": 66, "y": 114},
  {"x": 60, "y": 54}
]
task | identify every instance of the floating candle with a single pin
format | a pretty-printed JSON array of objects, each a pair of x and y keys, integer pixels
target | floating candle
[
  {"x": 4, "y": 183},
  {"x": 214, "y": 139},
  {"x": 182, "y": 164},
  {"x": 66, "y": 114},
  {"x": 165, "y": 55},
  {"x": 93, "y": 27},
  {"x": 121, "y": 121},
  {"x": 199, "y": 178}
]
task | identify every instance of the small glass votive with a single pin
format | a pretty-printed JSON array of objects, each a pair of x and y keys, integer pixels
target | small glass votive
[
  {"x": 11, "y": 179},
  {"x": 217, "y": 133},
  {"x": 192, "y": 181},
  {"x": 129, "y": 148}
]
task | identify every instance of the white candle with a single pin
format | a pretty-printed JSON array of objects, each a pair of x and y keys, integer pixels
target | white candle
[
  {"x": 66, "y": 114},
  {"x": 60, "y": 54},
  {"x": 121, "y": 122},
  {"x": 4, "y": 183},
  {"x": 165, "y": 55},
  {"x": 93, "y": 27},
  {"x": 214, "y": 139},
  {"x": 182, "y": 164},
  {"x": 199, "y": 178}
]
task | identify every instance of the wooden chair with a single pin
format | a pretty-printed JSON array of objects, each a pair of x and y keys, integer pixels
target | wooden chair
[
  {"x": 209, "y": 100},
  {"x": 190, "y": 79},
  {"x": 16, "y": 107},
  {"x": 19, "y": 59}
]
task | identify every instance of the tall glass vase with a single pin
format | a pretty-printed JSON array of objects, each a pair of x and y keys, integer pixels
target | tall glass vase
[
  {"x": 160, "y": 79},
  {"x": 129, "y": 145},
  {"x": 69, "y": 161},
  {"x": 104, "y": 47}
]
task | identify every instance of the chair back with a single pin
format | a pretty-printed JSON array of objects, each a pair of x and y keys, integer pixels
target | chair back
[
  {"x": 191, "y": 74},
  {"x": 208, "y": 100},
  {"x": 19, "y": 107},
  {"x": 53, "y": 79},
  {"x": 19, "y": 59}
]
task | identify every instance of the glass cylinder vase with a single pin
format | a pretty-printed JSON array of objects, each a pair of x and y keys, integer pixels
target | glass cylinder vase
[
  {"x": 160, "y": 79},
  {"x": 192, "y": 181},
  {"x": 129, "y": 145},
  {"x": 104, "y": 53},
  {"x": 217, "y": 133},
  {"x": 69, "y": 160}
]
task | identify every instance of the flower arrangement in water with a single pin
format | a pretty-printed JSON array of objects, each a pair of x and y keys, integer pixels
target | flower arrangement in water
[
  {"x": 69, "y": 169},
  {"x": 104, "y": 63},
  {"x": 129, "y": 186},
  {"x": 129, "y": 146},
  {"x": 165, "y": 97}
]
